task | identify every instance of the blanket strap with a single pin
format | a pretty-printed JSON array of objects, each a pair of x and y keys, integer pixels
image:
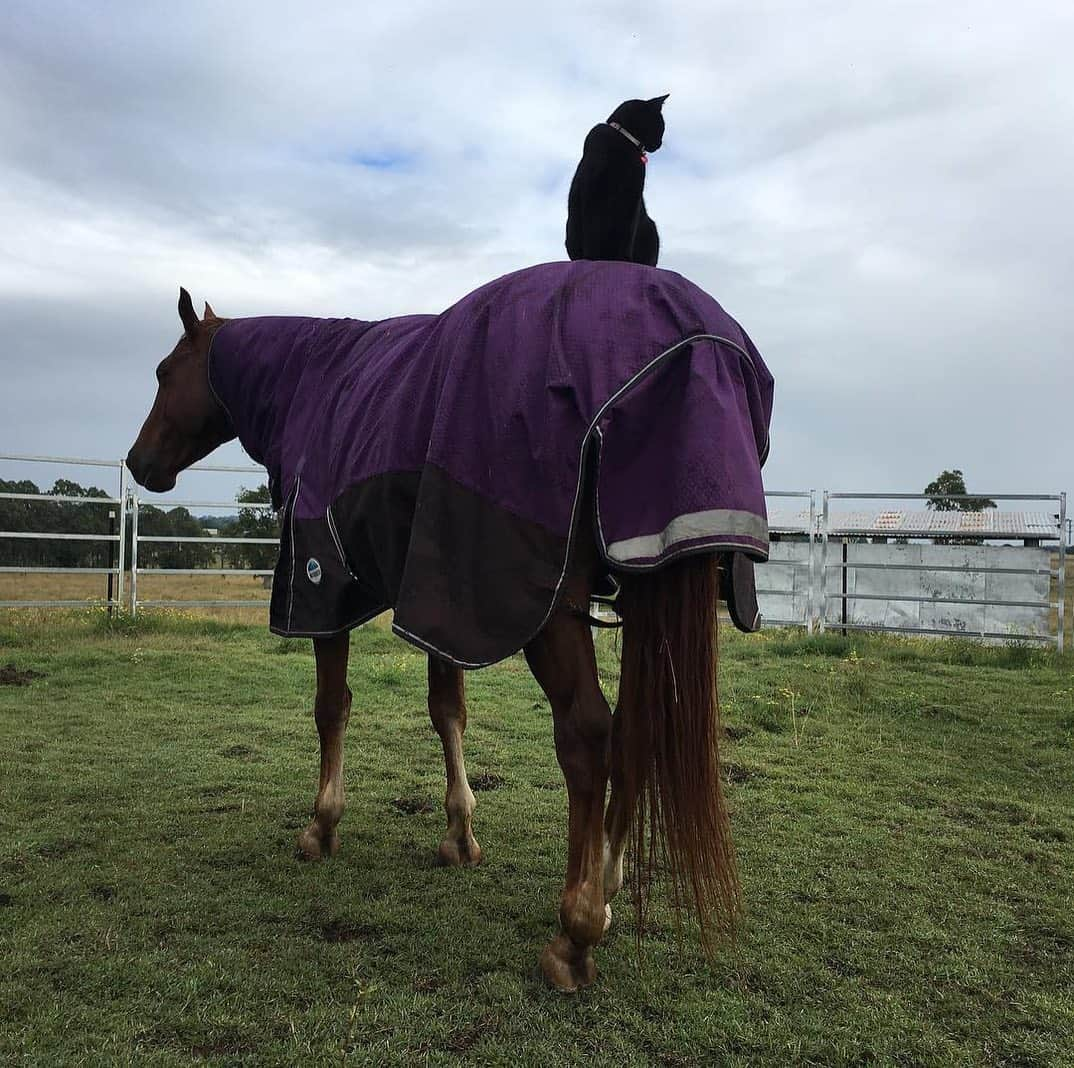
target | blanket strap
[{"x": 583, "y": 613}]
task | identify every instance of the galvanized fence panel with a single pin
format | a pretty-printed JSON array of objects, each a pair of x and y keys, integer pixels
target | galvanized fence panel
[
  {"x": 944, "y": 573},
  {"x": 116, "y": 569},
  {"x": 786, "y": 584},
  {"x": 139, "y": 569}
]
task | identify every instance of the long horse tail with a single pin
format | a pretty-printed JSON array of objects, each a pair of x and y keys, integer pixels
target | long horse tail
[{"x": 667, "y": 743}]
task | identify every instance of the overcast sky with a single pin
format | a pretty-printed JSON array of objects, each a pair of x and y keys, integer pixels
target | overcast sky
[{"x": 879, "y": 192}]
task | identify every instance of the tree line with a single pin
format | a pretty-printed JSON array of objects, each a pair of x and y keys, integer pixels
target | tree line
[{"x": 69, "y": 517}]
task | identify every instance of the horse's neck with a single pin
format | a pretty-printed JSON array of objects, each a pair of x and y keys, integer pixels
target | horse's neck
[{"x": 256, "y": 367}]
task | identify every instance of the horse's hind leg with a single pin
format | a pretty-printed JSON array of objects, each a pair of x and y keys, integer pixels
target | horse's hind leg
[
  {"x": 331, "y": 710},
  {"x": 447, "y": 709},
  {"x": 563, "y": 662},
  {"x": 616, "y": 826}
]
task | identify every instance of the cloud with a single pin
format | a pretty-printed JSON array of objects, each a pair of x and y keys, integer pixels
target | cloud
[{"x": 879, "y": 193}]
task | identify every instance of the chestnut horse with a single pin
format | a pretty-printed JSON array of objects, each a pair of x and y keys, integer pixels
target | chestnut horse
[{"x": 658, "y": 752}]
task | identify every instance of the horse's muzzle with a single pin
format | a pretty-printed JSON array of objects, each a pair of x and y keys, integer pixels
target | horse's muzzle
[{"x": 146, "y": 472}]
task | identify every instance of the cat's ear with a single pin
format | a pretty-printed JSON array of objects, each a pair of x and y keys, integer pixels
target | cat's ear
[{"x": 659, "y": 100}]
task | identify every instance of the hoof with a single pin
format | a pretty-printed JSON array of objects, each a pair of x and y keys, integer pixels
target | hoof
[
  {"x": 313, "y": 845},
  {"x": 566, "y": 966},
  {"x": 459, "y": 853},
  {"x": 607, "y": 917}
]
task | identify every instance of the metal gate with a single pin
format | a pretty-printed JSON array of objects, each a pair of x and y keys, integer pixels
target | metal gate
[
  {"x": 945, "y": 573},
  {"x": 137, "y": 539},
  {"x": 786, "y": 584},
  {"x": 115, "y": 538}
]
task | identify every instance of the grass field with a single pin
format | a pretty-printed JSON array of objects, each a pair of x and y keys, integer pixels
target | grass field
[
  {"x": 902, "y": 812},
  {"x": 38, "y": 587}
]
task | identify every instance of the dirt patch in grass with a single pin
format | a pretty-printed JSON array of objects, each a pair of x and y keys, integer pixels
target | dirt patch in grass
[
  {"x": 427, "y": 984},
  {"x": 1043, "y": 944},
  {"x": 6, "y": 900},
  {"x": 222, "y": 1047},
  {"x": 295, "y": 818},
  {"x": 487, "y": 780},
  {"x": 60, "y": 848},
  {"x": 341, "y": 930},
  {"x": 465, "y": 1038},
  {"x": 102, "y": 892},
  {"x": 241, "y": 752},
  {"x": 739, "y": 773},
  {"x": 1048, "y": 834},
  {"x": 412, "y": 806},
  {"x": 13, "y": 676}
]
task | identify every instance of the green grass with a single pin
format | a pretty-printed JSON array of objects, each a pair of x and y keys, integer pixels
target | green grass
[{"x": 902, "y": 812}]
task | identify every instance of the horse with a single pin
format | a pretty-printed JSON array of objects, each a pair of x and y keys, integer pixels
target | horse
[{"x": 645, "y": 778}]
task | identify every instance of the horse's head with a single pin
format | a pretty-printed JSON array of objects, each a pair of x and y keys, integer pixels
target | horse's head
[{"x": 186, "y": 421}]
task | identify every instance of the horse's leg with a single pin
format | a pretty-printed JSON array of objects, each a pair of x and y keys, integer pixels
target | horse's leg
[
  {"x": 563, "y": 662},
  {"x": 331, "y": 710},
  {"x": 447, "y": 709},
  {"x": 616, "y": 825}
]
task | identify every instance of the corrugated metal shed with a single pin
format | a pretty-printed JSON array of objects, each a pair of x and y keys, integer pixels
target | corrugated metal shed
[{"x": 991, "y": 523}]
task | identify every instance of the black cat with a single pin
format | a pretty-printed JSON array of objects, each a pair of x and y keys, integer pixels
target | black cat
[{"x": 606, "y": 218}]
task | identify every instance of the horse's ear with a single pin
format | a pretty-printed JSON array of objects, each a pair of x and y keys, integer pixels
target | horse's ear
[
  {"x": 187, "y": 314},
  {"x": 209, "y": 313},
  {"x": 659, "y": 100}
]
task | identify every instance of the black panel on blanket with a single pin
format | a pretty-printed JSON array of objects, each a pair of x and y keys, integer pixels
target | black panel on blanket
[
  {"x": 457, "y": 524},
  {"x": 382, "y": 536}
]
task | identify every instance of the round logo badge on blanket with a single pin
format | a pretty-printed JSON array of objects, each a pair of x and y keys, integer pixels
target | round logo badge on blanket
[{"x": 313, "y": 571}]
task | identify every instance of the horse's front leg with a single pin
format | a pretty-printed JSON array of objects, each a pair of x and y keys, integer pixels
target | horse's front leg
[
  {"x": 447, "y": 710},
  {"x": 331, "y": 710},
  {"x": 563, "y": 662}
]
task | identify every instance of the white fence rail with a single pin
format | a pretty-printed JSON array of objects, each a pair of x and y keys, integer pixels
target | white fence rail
[
  {"x": 935, "y": 573},
  {"x": 138, "y": 568},
  {"x": 971, "y": 585},
  {"x": 115, "y": 539}
]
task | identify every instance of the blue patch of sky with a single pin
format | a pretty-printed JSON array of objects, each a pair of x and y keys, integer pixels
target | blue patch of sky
[
  {"x": 554, "y": 179},
  {"x": 383, "y": 159}
]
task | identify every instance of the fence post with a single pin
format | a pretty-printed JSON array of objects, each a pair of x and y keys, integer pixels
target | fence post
[
  {"x": 843, "y": 584},
  {"x": 824, "y": 564},
  {"x": 134, "y": 555},
  {"x": 124, "y": 504},
  {"x": 1061, "y": 582},
  {"x": 811, "y": 613},
  {"x": 111, "y": 559}
]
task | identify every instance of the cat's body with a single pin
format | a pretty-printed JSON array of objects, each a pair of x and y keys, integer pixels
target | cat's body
[{"x": 606, "y": 216}]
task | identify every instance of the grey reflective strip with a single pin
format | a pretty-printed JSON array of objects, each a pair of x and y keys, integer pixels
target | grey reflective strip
[
  {"x": 717, "y": 522},
  {"x": 627, "y": 134}
]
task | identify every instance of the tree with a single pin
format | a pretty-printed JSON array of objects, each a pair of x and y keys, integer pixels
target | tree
[
  {"x": 153, "y": 521},
  {"x": 253, "y": 523},
  {"x": 949, "y": 485},
  {"x": 52, "y": 517}
]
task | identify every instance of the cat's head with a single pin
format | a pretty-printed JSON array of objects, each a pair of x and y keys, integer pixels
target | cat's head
[{"x": 644, "y": 119}]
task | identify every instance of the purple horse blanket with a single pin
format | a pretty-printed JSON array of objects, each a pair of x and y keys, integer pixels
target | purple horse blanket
[{"x": 434, "y": 463}]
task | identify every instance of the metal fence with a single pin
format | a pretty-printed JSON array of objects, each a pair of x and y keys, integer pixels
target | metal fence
[
  {"x": 929, "y": 577},
  {"x": 115, "y": 539},
  {"x": 790, "y": 600},
  {"x": 964, "y": 584},
  {"x": 138, "y": 568}
]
